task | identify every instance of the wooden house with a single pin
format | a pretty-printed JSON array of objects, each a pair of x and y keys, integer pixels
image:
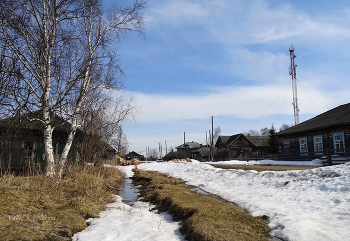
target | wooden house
[
  {"x": 261, "y": 143},
  {"x": 203, "y": 154},
  {"x": 22, "y": 142},
  {"x": 234, "y": 147},
  {"x": 187, "y": 150},
  {"x": 325, "y": 137},
  {"x": 134, "y": 155}
]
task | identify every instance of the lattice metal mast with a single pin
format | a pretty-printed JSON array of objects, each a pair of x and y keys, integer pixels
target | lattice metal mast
[{"x": 293, "y": 73}]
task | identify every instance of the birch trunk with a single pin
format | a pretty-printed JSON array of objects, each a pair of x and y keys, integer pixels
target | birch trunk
[
  {"x": 50, "y": 160},
  {"x": 66, "y": 149}
]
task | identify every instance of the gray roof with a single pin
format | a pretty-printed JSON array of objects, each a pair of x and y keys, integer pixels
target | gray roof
[
  {"x": 23, "y": 121},
  {"x": 226, "y": 140},
  {"x": 191, "y": 145},
  {"x": 334, "y": 117},
  {"x": 259, "y": 140},
  {"x": 133, "y": 154},
  {"x": 205, "y": 151}
]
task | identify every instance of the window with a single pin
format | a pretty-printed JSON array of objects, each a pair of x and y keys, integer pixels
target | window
[
  {"x": 303, "y": 145},
  {"x": 286, "y": 144},
  {"x": 339, "y": 143},
  {"x": 318, "y": 144}
]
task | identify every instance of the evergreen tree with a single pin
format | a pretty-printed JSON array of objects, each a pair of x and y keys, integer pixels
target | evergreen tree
[{"x": 273, "y": 141}]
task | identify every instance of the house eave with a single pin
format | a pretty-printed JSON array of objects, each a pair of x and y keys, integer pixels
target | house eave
[{"x": 313, "y": 129}]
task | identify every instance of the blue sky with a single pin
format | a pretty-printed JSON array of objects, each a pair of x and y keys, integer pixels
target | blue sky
[{"x": 229, "y": 59}]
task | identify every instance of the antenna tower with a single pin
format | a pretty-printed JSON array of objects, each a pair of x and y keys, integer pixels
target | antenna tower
[{"x": 293, "y": 73}]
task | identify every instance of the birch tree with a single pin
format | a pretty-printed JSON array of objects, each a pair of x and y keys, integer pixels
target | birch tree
[
  {"x": 104, "y": 113},
  {"x": 59, "y": 52},
  {"x": 120, "y": 143}
]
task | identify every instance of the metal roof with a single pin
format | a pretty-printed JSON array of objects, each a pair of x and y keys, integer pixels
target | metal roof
[{"x": 334, "y": 117}]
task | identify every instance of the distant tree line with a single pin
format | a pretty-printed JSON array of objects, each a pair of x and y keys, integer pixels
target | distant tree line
[
  {"x": 271, "y": 133},
  {"x": 265, "y": 131}
]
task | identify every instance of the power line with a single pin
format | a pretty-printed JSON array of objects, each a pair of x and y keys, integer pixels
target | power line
[
  {"x": 313, "y": 95},
  {"x": 310, "y": 99},
  {"x": 285, "y": 97},
  {"x": 270, "y": 105},
  {"x": 299, "y": 56}
]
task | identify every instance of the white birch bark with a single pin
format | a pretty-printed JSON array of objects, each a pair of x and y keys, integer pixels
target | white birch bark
[
  {"x": 49, "y": 157},
  {"x": 49, "y": 41}
]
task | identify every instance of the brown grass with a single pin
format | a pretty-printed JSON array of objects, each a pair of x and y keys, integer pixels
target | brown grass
[
  {"x": 41, "y": 208},
  {"x": 205, "y": 217}
]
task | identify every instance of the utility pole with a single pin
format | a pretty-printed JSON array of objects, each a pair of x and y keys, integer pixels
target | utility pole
[
  {"x": 293, "y": 73},
  {"x": 212, "y": 139},
  {"x": 183, "y": 149},
  {"x": 160, "y": 150},
  {"x": 166, "y": 148}
]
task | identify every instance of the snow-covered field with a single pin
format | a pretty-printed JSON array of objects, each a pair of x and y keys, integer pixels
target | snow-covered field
[{"x": 301, "y": 205}]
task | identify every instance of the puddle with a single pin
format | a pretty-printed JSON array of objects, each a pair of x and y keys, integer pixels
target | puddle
[{"x": 128, "y": 192}]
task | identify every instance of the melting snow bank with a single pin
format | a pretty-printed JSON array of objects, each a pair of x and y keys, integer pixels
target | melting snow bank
[
  {"x": 315, "y": 162},
  {"x": 301, "y": 205},
  {"x": 130, "y": 223}
]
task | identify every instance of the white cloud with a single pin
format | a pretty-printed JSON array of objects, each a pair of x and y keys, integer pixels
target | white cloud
[
  {"x": 176, "y": 12},
  {"x": 250, "y": 102},
  {"x": 235, "y": 110},
  {"x": 243, "y": 22}
]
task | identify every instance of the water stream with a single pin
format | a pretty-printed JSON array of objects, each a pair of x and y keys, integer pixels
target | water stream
[{"x": 128, "y": 192}]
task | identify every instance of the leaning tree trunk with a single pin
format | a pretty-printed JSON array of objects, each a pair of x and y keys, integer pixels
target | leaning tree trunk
[{"x": 66, "y": 149}]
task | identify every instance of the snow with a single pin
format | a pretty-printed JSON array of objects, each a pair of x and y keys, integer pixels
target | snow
[
  {"x": 126, "y": 223},
  {"x": 301, "y": 205},
  {"x": 315, "y": 162},
  {"x": 130, "y": 223}
]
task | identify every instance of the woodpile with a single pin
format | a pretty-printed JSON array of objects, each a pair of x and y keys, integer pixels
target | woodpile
[
  {"x": 134, "y": 161},
  {"x": 181, "y": 160}
]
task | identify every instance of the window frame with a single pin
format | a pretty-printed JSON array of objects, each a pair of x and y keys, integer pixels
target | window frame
[
  {"x": 303, "y": 145},
  {"x": 338, "y": 142},
  {"x": 318, "y": 144},
  {"x": 286, "y": 144}
]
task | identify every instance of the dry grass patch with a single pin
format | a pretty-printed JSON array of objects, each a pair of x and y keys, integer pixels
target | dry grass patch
[
  {"x": 205, "y": 218},
  {"x": 41, "y": 208}
]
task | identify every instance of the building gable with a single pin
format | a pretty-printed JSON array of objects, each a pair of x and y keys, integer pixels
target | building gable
[{"x": 240, "y": 140}]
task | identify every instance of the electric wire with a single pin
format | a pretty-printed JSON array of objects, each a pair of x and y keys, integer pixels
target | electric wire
[
  {"x": 309, "y": 98},
  {"x": 313, "y": 94},
  {"x": 299, "y": 56},
  {"x": 322, "y": 46},
  {"x": 270, "y": 105},
  {"x": 285, "y": 97}
]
